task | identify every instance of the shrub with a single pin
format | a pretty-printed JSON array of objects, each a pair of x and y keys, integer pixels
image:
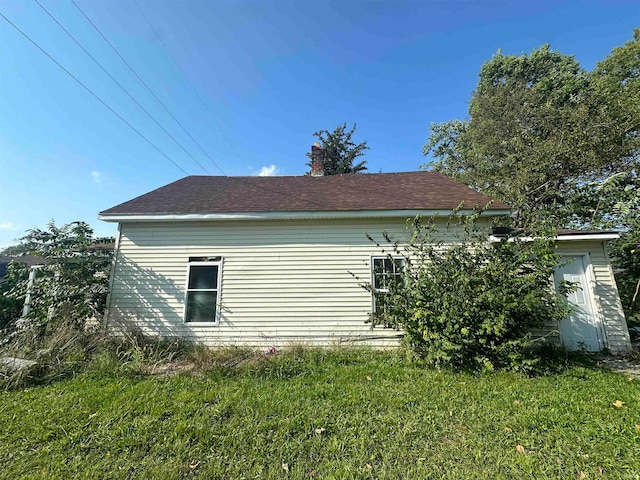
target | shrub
[
  {"x": 61, "y": 330},
  {"x": 11, "y": 307},
  {"x": 471, "y": 303},
  {"x": 70, "y": 289}
]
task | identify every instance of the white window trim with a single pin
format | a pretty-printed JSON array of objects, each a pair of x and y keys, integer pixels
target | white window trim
[
  {"x": 216, "y": 321},
  {"x": 373, "y": 279}
]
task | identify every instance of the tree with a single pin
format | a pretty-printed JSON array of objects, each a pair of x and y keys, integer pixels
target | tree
[
  {"x": 539, "y": 127},
  {"x": 558, "y": 143},
  {"x": 72, "y": 285},
  {"x": 614, "y": 203},
  {"x": 617, "y": 78},
  {"x": 340, "y": 152}
]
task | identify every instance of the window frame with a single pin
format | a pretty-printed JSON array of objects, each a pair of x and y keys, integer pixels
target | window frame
[
  {"x": 373, "y": 278},
  {"x": 218, "y": 290}
]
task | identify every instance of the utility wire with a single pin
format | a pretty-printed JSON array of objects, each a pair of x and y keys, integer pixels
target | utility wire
[
  {"x": 204, "y": 105},
  {"x": 91, "y": 92},
  {"x": 146, "y": 85},
  {"x": 239, "y": 179},
  {"x": 202, "y": 102},
  {"x": 120, "y": 85}
]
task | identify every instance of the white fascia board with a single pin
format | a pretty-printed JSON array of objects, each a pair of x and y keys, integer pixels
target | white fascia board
[
  {"x": 565, "y": 238},
  {"x": 198, "y": 217},
  {"x": 588, "y": 236}
]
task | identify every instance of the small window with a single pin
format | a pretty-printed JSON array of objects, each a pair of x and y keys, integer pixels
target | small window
[
  {"x": 203, "y": 292},
  {"x": 384, "y": 272}
]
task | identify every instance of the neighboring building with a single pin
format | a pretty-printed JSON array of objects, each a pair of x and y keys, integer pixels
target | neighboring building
[
  {"x": 271, "y": 261},
  {"x": 29, "y": 260}
]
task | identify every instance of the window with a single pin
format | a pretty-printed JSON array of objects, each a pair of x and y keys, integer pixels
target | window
[
  {"x": 203, "y": 292},
  {"x": 384, "y": 272}
]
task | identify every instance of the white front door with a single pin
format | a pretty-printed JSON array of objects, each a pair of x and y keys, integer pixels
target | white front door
[{"x": 579, "y": 330}]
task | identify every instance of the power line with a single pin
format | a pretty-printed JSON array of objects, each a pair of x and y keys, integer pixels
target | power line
[
  {"x": 202, "y": 102},
  {"x": 35, "y": 44},
  {"x": 239, "y": 179},
  {"x": 120, "y": 85},
  {"x": 146, "y": 85}
]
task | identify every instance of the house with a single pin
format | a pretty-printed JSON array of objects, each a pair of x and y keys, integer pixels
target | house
[
  {"x": 270, "y": 261},
  {"x": 29, "y": 260}
]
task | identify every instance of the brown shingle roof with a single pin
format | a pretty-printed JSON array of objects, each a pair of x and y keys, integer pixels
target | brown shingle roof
[{"x": 379, "y": 191}]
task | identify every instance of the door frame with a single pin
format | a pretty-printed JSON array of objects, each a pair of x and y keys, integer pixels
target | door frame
[{"x": 598, "y": 317}]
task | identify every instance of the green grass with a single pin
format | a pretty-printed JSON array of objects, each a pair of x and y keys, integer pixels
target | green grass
[{"x": 323, "y": 414}]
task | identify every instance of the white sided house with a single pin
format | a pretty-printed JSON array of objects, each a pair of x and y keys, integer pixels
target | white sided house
[{"x": 270, "y": 261}]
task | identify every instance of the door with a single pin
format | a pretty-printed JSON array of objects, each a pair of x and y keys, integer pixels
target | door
[{"x": 579, "y": 331}]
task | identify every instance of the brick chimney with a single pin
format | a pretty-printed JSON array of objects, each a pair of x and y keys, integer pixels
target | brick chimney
[{"x": 317, "y": 160}]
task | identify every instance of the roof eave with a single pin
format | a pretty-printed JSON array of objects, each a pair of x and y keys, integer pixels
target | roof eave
[{"x": 196, "y": 217}]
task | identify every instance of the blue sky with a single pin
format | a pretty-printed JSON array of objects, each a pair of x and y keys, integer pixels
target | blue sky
[{"x": 266, "y": 76}]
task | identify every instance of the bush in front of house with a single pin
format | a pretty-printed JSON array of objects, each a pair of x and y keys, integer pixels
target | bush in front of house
[{"x": 471, "y": 303}]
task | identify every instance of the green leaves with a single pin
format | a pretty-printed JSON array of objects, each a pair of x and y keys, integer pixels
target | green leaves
[
  {"x": 472, "y": 303},
  {"x": 558, "y": 143},
  {"x": 340, "y": 152},
  {"x": 72, "y": 285},
  {"x": 540, "y": 127}
]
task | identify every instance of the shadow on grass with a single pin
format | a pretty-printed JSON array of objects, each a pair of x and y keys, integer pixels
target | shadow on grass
[{"x": 555, "y": 360}]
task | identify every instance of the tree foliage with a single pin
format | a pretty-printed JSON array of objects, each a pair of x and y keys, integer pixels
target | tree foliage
[
  {"x": 472, "y": 303},
  {"x": 539, "y": 127},
  {"x": 72, "y": 285},
  {"x": 10, "y": 307},
  {"x": 617, "y": 203},
  {"x": 560, "y": 144},
  {"x": 614, "y": 203},
  {"x": 616, "y": 80},
  {"x": 340, "y": 151}
]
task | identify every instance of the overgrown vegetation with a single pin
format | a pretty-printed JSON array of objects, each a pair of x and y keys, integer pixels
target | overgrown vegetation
[
  {"x": 308, "y": 413},
  {"x": 10, "y": 306},
  {"x": 70, "y": 287},
  {"x": 560, "y": 144},
  {"x": 66, "y": 301},
  {"x": 470, "y": 303}
]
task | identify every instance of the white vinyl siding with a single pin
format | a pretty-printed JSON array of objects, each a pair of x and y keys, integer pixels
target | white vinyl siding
[
  {"x": 283, "y": 281},
  {"x": 609, "y": 312}
]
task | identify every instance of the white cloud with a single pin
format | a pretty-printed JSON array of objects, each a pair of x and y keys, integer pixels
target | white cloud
[
  {"x": 269, "y": 171},
  {"x": 96, "y": 176},
  {"x": 8, "y": 226}
]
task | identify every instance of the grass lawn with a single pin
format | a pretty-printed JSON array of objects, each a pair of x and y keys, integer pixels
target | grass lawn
[{"x": 324, "y": 414}]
